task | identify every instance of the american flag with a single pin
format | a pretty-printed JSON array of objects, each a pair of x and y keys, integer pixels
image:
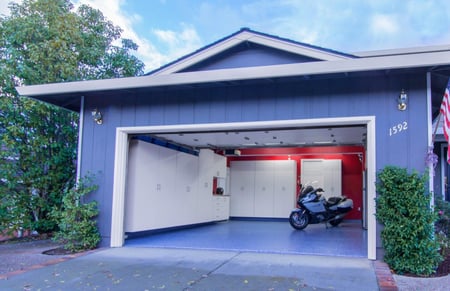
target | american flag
[{"x": 445, "y": 111}]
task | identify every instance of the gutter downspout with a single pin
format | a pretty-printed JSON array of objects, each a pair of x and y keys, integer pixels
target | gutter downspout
[{"x": 80, "y": 139}]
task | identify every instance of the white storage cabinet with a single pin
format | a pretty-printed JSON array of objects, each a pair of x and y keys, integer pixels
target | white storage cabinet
[{"x": 262, "y": 188}]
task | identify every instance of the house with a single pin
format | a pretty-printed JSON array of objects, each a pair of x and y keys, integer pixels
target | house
[{"x": 247, "y": 108}]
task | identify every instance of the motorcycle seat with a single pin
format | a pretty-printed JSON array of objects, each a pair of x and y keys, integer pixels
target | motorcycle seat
[{"x": 334, "y": 200}]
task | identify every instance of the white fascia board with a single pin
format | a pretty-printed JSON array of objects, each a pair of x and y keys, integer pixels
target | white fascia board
[
  {"x": 296, "y": 48},
  {"x": 249, "y": 73},
  {"x": 403, "y": 51},
  {"x": 255, "y": 38},
  {"x": 196, "y": 58}
]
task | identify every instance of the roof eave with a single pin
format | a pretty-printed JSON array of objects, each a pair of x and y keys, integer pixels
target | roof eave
[{"x": 248, "y": 73}]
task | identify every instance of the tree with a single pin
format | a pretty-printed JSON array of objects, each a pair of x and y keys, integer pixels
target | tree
[{"x": 47, "y": 41}]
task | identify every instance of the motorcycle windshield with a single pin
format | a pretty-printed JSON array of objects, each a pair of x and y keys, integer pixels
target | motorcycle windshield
[{"x": 307, "y": 190}]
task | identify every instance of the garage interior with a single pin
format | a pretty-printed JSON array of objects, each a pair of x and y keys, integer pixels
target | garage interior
[{"x": 247, "y": 222}]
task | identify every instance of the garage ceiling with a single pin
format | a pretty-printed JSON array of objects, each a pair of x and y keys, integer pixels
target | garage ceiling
[{"x": 289, "y": 137}]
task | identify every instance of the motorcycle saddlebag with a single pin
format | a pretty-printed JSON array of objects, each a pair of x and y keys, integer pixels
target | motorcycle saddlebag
[{"x": 345, "y": 206}]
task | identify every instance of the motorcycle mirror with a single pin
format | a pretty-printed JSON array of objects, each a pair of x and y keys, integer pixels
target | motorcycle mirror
[{"x": 319, "y": 190}]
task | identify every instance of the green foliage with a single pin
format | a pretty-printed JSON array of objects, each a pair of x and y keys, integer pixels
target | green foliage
[
  {"x": 403, "y": 207},
  {"x": 77, "y": 227},
  {"x": 37, "y": 161},
  {"x": 46, "y": 41},
  {"x": 442, "y": 225}
]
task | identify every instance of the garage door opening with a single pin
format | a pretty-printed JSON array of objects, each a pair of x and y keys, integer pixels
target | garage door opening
[{"x": 280, "y": 132}]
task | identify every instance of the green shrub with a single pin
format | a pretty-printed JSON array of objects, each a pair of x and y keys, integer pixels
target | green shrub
[
  {"x": 403, "y": 207},
  {"x": 442, "y": 225},
  {"x": 77, "y": 227}
]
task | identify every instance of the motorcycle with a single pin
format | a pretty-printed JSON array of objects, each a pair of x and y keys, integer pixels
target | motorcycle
[{"x": 315, "y": 208}]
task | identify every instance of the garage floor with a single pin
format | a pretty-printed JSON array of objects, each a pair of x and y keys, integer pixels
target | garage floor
[{"x": 348, "y": 239}]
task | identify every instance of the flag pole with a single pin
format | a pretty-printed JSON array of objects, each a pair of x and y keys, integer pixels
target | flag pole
[{"x": 436, "y": 127}]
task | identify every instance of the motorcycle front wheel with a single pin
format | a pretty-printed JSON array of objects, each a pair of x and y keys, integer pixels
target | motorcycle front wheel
[{"x": 299, "y": 220}]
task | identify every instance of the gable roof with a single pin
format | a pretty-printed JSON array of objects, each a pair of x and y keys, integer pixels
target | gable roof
[
  {"x": 247, "y": 35},
  {"x": 322, "y": 62}
]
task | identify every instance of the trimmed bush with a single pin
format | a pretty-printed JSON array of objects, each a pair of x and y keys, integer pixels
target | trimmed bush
[
  {"x": 403, "y": 207},
  {"x": 77, "y": 227}
]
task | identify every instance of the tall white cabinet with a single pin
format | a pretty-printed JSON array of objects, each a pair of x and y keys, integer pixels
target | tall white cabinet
[
  {"x": 167, "y": 188},
  {"x": 326, "y": 174},
  {"x": 210, "y": 165},
  {"x": 262, "y": 188}
]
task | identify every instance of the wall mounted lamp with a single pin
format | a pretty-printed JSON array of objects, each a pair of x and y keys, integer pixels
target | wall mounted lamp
[
  {"x": 97, "y": 116},
  {"x": 402, "y": 100}
]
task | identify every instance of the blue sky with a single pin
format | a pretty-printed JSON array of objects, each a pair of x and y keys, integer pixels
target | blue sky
[{"x": 168, "y": 29}]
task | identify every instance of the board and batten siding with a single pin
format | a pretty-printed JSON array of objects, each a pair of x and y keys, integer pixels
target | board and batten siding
[{"x": 346, "y": 96}]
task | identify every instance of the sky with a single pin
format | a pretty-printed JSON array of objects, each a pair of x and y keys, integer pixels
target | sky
[{"x": 168, "y": 29}]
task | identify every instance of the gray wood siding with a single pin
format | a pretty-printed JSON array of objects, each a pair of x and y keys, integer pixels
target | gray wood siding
[{"x": 340, "y": 97}]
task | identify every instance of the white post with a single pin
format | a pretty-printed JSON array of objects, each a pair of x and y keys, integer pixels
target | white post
[{"x": 80, "y": 138}]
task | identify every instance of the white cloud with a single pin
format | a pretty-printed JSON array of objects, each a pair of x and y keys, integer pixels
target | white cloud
[
  {"x": 4, "y": 10},
  {"x": 177, "y": 42},
  {"x": 349, "y": 25},
  {"x": 382, "y": 24}
]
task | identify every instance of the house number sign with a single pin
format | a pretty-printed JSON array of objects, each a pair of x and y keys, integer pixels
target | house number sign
[{"x": 402, "y": 126}]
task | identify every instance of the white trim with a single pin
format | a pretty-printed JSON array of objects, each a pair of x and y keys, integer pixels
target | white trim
[
  {"x": 121, "y": 157},
  {"x": 207, "y": 53},
  {"x": 248, "y": 73},
  {"x": 371, "y": 191},
  {"x": 297, "y": 49},
  {"x": 80, "y": 138},
  {"x": 251, "y": 37},
  {"x": 118, "y": 202},
  {"x": 402, "y": 51},
  {"x": 430, "y": 137}
]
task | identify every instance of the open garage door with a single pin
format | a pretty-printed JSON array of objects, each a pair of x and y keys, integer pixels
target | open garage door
[{"x": 227, "y": 133}]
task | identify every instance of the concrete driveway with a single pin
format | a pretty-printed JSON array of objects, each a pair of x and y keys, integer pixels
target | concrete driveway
[{"x": 132, "y": 268}]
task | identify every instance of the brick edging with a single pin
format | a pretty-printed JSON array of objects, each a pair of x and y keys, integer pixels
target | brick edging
[{"x": 384, "y": 276}]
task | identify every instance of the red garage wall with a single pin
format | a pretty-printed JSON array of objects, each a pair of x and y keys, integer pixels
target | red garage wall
[{"x": 352, "y": 158}]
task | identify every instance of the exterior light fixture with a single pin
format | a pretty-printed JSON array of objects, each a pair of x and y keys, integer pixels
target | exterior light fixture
[
  {"x": 97, "y": 116},
  {"x": 402, "y": 100}
]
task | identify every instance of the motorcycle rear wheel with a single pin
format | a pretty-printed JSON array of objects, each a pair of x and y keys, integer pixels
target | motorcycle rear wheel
[{"x": 299, "y": 220}]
